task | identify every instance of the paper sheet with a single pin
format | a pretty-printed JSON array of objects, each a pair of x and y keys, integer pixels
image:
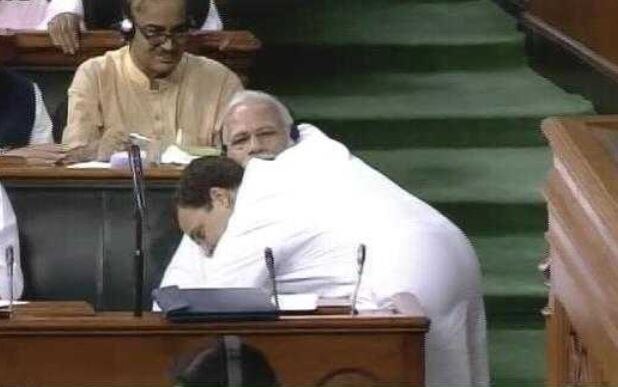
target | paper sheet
[
  {"x": 91, "y": 165},
  {"x": 298, "y": 302}
]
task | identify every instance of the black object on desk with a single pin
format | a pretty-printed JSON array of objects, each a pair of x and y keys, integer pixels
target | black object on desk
[{"x": 188, "y": 305}]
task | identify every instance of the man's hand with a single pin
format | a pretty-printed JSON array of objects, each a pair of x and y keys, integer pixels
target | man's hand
[
  {"x": 112, "y": 141},
  {"x": 64, "y": 32},
  {"x": 45, "y": 154}
]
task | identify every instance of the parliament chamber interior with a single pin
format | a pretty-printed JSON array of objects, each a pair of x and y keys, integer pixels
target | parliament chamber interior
[{"x": 496, "y": 114}]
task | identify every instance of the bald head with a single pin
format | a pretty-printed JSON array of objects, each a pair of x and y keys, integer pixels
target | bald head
[
  {"x": 256, "y": 124},
  {"x": 174, "y": 7}
]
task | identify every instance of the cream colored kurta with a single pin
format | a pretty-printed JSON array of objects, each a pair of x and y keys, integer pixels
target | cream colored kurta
[{"x": 109, "y": 93}]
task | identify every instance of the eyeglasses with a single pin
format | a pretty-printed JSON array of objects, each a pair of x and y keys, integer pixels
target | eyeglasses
[{"x": 158, "y": 37}]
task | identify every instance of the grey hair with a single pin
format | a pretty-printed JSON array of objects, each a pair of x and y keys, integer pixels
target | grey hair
[{"x": 260, "y": 97}]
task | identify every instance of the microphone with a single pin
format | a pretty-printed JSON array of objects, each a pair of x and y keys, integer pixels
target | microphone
[
  {"x": 135, "y": 163},
  {"x": 10, "y": 261},
  {"x": 270, "y": 265},
  {"x": 360, "y": 260},
  {"x": 137, "y": 172}
]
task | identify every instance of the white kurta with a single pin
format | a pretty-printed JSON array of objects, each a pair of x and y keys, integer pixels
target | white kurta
[
  {"x": 313, "y": 205},
  {"x": 22, "y": 15},
  {"x": 56, "y": 7},
  {"x": 9, "y": 236}
]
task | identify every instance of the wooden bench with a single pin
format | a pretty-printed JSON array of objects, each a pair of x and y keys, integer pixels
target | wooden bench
[{"x": 33, "y": 50}]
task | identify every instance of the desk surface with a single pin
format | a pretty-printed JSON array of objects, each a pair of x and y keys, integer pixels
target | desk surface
[
  {"x": 29, "y": 173},
  {"x": 78, "y": 317},
  {"x": 79, "y": 347}
]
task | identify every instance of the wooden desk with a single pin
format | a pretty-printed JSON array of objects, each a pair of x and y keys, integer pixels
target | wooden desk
[
  {"x": 117, "y": 349},
  {"x": 76, "y": 232},
  {"x": 34, "y": 50},
  {"x": 582, "y": 195}
]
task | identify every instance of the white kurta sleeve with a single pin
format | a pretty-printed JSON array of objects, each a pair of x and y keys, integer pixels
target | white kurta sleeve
[
  {"x": 56, "y": 7},
  {"x": 9, "y": 237},
  {"x": 42, "y": 128},
  {"x": 213, "y": 20},
  {"x": 186, "y": 269}
]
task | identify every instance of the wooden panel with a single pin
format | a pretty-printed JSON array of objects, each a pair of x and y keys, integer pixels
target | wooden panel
[
  {"x": 586, "y": 27},
  {"x": 64, "y": 174},
  {"x": 34, "y": 50},
  {"x": 119, "y": 349},
  {"x": 582, "y": 194},
  {"x": 82, "y": 248}
]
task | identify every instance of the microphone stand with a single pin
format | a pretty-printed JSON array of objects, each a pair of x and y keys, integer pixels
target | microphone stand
[
  {"x": 360, "y": 260},
  {"x": 135, "y": 163},
  {"x": 269, "y": 258},
  {"x": 10, "y": 262}
]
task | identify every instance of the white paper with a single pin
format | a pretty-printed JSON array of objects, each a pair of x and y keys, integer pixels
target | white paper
[
  {"x": 298, "y": 302},
  {"x": 175, "y": 155},
  {"x": 91, "y": 165}
]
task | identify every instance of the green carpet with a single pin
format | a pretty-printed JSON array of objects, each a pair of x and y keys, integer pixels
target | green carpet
[{"x": 436, "y": 95}]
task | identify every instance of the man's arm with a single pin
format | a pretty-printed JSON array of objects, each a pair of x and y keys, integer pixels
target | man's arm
[
  {"x": 63, "y": 21},
  {"x": 231, "y": 85},
  {"x": 84, "y": 119},
  {"x": 185, "y": 270},
  {"x": 42, "y": 127}
]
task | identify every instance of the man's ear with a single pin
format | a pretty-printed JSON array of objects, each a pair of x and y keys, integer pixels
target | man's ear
[{"x": 221, "y": 196}]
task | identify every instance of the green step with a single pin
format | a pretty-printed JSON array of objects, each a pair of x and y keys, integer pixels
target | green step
[
  {"x": 390, "y": 34},
  {"x": 509, "y": 265},
  {"x": 442, "y": 175},
  {"x": 513, "y": 288},
  {"x": 486, "y": 191},
  {"x": 517, "y": 357},
  {"x": 447, "y": 109}
]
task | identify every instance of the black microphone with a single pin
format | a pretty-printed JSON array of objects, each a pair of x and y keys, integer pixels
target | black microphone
[
  {"x": 10, "y": 261},
  {"x": 135, "y": 163},
  {"x": 270, "y": 265},
  {"x": 360, "y": 260}
]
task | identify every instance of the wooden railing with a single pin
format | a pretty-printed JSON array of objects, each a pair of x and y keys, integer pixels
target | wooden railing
[
  {"x": 34, "y": 50},
  {"x": 587, "y": 28},
  {"x": 582, "y": 195}
]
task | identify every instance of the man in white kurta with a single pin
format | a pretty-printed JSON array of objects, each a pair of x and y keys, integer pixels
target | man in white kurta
[
  {"x": 9, "y": 237},
  {"x": 313, "y": 205}
]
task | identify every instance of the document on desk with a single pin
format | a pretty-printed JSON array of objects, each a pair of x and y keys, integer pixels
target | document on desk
[
  {"x": 90, "y": 165},
  {"x": 298, "y": 302}
]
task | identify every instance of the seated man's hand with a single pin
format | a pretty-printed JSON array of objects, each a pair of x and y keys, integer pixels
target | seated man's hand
[
  {"x": 64, "y": 32},
  {"x": 112, "y": 141},
  {"x": 44, "y": 154}
]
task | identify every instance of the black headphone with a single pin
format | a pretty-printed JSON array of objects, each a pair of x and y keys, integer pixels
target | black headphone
[
  {"x": 127, "y": 33},
  {"x": 225, "y": 362}
]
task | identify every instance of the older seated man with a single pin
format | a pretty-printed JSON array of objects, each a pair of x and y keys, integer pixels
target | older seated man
[
  {"x": 308, "y": 199},
  {"x": 151, "y": 87}
]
